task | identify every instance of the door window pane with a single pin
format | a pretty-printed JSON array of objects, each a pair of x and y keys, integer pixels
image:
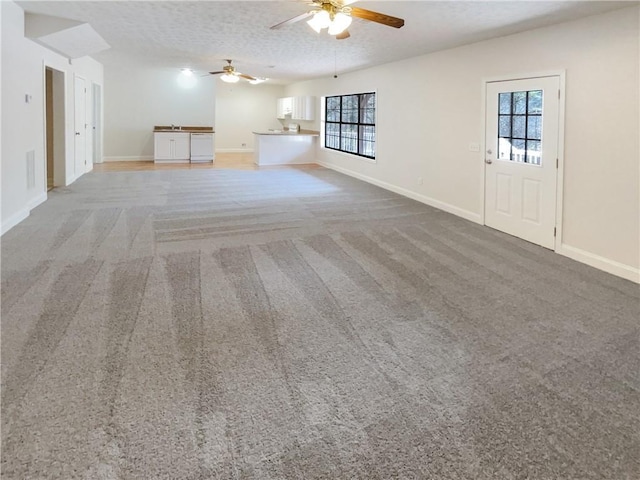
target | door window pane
[
  {"x": 534, "y": 127},
  {"x": 519, "y": 130},
  {"x": 520, "y": 103},
  {"x": 535, "y": 102},
  {"x": 534, "y": 151},
  {"x": 505, "y": 103},
  {"x": 505, "y": 126}
]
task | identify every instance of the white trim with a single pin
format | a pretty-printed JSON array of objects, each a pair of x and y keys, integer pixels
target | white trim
[
  {"x": 446, "y": 207},
  {"x": 234, "y": 150},
  {"x": 69, "y": 180},
  {"x": 352, "y": 156},
  {"x": 525, "y": 76},
  {"x": 13, "y": 220},
  {"x": 560, "y": 172},
  {"x": 18, "y": 217},
  {"x": 610, "y": 266},
  {"x": 37, "y": 201},
  {"x": 140, "y": 158}
]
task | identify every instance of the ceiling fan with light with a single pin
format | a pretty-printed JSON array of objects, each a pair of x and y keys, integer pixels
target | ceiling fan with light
[
  {"x": 336, "y": 16},
  {"x": 231, "y": 75}
]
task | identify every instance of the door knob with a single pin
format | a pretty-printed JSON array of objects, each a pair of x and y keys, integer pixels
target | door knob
[
  {"x": 77, "y": 133},
  {"x": 489, "y": 161}
]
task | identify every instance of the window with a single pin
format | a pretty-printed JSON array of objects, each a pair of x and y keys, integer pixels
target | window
[
  {"x": 350, "y": 124},
  {"x": 520, "y": 126}
]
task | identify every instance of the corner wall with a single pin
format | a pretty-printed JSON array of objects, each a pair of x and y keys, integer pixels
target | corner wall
[
  {"x": 241, "y": 109},
  {"x": 23, "y": 124},
  {"x": 427, "y": 118},
  {"x": 137, "y": 97}
]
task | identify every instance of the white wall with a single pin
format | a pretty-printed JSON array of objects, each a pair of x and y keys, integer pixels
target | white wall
[
  {"x": 23, "y": 72},
  {"x": 137, "y": 97},
  {"x": 242, "y": 108},
  {"x": 427, "y": 118}
]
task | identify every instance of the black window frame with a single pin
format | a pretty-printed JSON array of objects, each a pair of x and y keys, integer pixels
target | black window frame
[
  {"x": 361, "y": 125},
  {"x": 524, "y": 117}
]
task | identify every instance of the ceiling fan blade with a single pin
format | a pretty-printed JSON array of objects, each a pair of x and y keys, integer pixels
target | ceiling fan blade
[
  {"x": 377, "y": 17},
  {"x": 295, "y": 19},
  {"x": 248, "y": 77},
  {"x": 216, "y": 73},
  {"x": 343, "y": 35}
]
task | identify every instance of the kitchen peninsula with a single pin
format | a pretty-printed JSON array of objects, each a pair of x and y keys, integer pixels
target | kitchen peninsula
[{"x": 283, "y": 147}]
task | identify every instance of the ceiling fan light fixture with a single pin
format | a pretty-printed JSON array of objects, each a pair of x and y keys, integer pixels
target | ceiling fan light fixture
[
  {"x": 321, "y": 19},
  {"x": 340, "y": 23},
  {"x": 229, "y": 78}
]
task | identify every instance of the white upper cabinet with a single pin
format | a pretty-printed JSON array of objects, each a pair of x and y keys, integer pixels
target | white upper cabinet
[
  {"x": 303, "y": 108},
  {"x": 284, "y": 107},
  {"x": 300, "y": 108}
]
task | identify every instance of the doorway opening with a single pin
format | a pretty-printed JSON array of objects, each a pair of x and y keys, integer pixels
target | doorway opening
[{"x": 54, "y": 128}]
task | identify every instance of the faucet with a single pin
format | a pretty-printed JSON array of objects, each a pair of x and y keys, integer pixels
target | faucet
[{"x": 173, "y": 127}]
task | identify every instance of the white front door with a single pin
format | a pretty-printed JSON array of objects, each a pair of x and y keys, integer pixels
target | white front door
[
  {"x": 521, "y": 157},
  {"x": 80, "y": 125}
]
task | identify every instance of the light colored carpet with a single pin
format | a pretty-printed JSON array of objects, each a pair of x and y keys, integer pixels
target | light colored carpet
[{"x": 300, "y": 324}]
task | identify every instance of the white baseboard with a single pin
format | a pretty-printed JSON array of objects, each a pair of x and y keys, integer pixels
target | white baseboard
[
  {"x": 473, "y": 217},
  {"x": 139, "y": 158},
  {"x": 13, "y": 220},
  {"x": 19, "y": 216},
  {"x": 234, "y": 150},
  {"x": 601, "y": 263},
  {"x": 37, "y": 201}
]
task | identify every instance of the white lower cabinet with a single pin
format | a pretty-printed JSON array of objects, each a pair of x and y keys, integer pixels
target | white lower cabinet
[{"x": 172, "y": 147}]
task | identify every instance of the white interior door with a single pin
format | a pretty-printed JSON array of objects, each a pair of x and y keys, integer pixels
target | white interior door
[
  {"x": 80, "y": 125},
  {"x": 521, "y": 157}
]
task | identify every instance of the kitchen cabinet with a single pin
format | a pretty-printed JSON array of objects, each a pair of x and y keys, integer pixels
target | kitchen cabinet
[
  {"x": 283, "y": 107},
  {"x": 172, "y": 147},
  {"x": 296, "y": 108},
  {"x": 303, "y": 108}
]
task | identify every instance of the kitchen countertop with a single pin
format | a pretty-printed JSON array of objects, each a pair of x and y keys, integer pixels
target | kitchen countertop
[
  {"x": 182, "y": 128},
  {"x": 312, "y": 133}
]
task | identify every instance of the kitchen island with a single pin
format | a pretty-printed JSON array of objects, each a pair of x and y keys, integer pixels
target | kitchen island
[{"x": 282, "y": 147}]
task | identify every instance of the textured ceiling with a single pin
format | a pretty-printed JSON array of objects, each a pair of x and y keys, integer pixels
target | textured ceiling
[{"x": 201, "y": 34}]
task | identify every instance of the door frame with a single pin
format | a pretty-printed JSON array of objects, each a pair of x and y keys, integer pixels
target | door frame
[
  {"x": 60, "y": 134},
  {"x": 79, "y": 170},
  {"x": 561, "y": 74},
  {"x": 97, "y": 117}
]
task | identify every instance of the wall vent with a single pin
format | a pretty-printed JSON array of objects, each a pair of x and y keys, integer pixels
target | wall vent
[{"x": 31, "y": 169}]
